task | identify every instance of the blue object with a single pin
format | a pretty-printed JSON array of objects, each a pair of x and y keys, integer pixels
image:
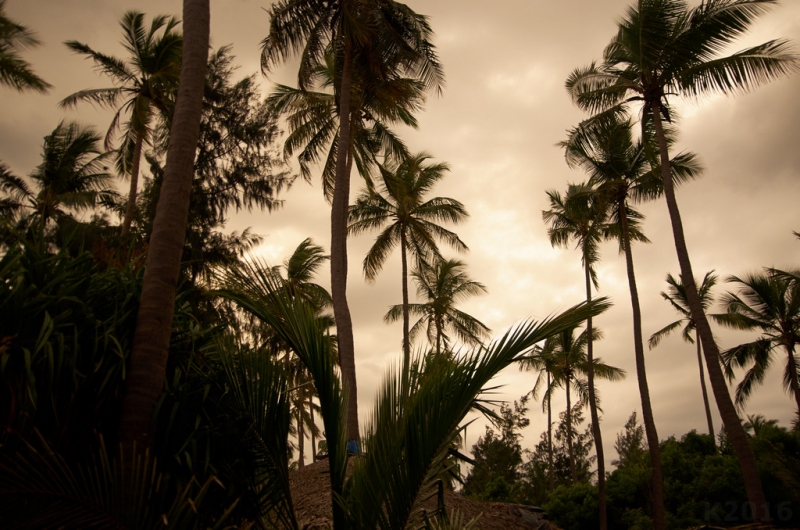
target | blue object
[{"x": 354, "y": 447}]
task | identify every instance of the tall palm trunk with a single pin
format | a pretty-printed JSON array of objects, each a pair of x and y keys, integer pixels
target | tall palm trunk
[
  {"x": 301, "y": 436},
  {"x": 341, "y": 199},
  {"x": 596, "y": 434},
  {"x": 657, "y": 481},
  {"x": 703, "y": 384},
  {"x": 148, "y": 360},
  {"x": 730, "y": 420},
  {"x": 313, "y": 429},
  {"x": 131, "y": 206},
  {"x": 570, "y": 450},
  {"x": 406, "y": 340},
  {"x": 550, "y": 477}
]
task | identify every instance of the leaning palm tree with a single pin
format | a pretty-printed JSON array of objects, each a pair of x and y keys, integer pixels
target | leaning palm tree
[
  {"x": 676, "y": 296},
  {"x": 143, "y": 87},
  {"x": 662, "y": 48},
  {"x": 768, "y": 302},
  {"x": 580, "y": 216},
  {"x": 442, "y": 285},
  {"x": 383, "y": 39},
  {"x": 408, "y": 219},
  {"x": 567, "y": 361},
  {"x": 148, "y": 358},
  {"x": 14, "y": 71}
]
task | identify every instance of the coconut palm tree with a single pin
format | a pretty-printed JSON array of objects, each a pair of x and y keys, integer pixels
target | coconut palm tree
[
  {"x": 442, "y": 285},
  {"x": 663, "y": 48},
  {"x": 148, "y": 360},
  {"x": 581, "y": 216},
  {"x": 565, "y": 357},
  {"x": 313, "y": 121},
  {"x": 385, "y": 40},
  {"x": 620, "y": 170},
  {"x": 408, "y": 219},
  {"x": 676, "y": 296},
  {"x": 72, "y": 176},
  {"x": 768, "y": 302},
  {"x": 144, "y": 84},
  {"x": 14, "y": 71}
]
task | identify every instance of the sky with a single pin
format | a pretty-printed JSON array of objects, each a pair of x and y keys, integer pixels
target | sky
[{"x": 497, "y": 123}]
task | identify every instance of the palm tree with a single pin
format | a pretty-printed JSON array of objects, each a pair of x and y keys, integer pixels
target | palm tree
[
  {"x": 301, "y": 267},
  {"x": 442, "y": 285},
  {"x": 14, "y": 71},
  {"x": 768, "y": 302},
  {"x": 581, "y": 217},
  {"x": 72, "y": 175},
  {"x": 566, "y": 359},
  {"x": 542, "y": 359},
  {"x": 150, "y": 350},
  {"x": 144, "y": 84},
  {"x": 385, "y": 40},
  {"x": 313, "y": 120},
  {"x": 400, "y": 210},
  {"x": 662, "y": 48},
  {"x": 676, "y": 296},
  {"x": 622, "y": 174}
]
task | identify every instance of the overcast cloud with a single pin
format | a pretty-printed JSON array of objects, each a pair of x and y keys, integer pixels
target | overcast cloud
[{"x": 497, "y": 123}]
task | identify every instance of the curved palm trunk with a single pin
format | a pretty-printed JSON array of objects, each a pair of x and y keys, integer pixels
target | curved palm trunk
[
  {"x": 570, "y": 451},
  {"x": 730, "y": 419},
  {"x": 596, "y": 434},
  {"x": 131, "y": 206},
  {"x": 406, "y": 341},
  {"x": 657, "y": 485},
  {"x": 549, "y": 438},
  {"x": 148, "y": 360},
  {"x": 341, "y": 199},
  {"x": 703, "y": 384}
]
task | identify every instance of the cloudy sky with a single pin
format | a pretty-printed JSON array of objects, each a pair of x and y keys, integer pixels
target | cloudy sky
[{"x": 502, "y": 112}]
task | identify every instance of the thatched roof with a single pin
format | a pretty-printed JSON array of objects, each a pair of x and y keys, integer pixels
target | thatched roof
[{"x": 311, "y": 495}]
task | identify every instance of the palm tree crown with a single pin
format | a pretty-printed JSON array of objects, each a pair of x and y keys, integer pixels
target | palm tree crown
[
  {"x": 72, "y": 174},
  {"x": 144, "y": 83},
  {"x": 14, "y": 71},
  {"x": 441, "y": 286},
  {"x": 768, "y": 302},
  {"x": 676, "y": 296}
]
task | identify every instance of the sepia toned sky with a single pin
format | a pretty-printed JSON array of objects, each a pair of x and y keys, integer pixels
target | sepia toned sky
[{"x": 502, "y": 112}]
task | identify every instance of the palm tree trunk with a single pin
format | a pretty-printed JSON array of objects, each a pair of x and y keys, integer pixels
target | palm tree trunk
[
  {"x": 406, "y": 341},
  {"x": 341, "y": 310},
  {"x": 657, "y": 485},
  {"x": 301, "y": 435},
  {"x": 150, "y": 350},
  {"x": 703, "y": 385},
  {"x": 313, "y": 429},
  {"x": 550, "y": 477},
  {"x": 730, "y": 419},
  {"x": 570, "y": 451},
  {"x": 793, "y": 382},
  {"x": 596, "y": 434},
  {"x": 131, "y": 206}
]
